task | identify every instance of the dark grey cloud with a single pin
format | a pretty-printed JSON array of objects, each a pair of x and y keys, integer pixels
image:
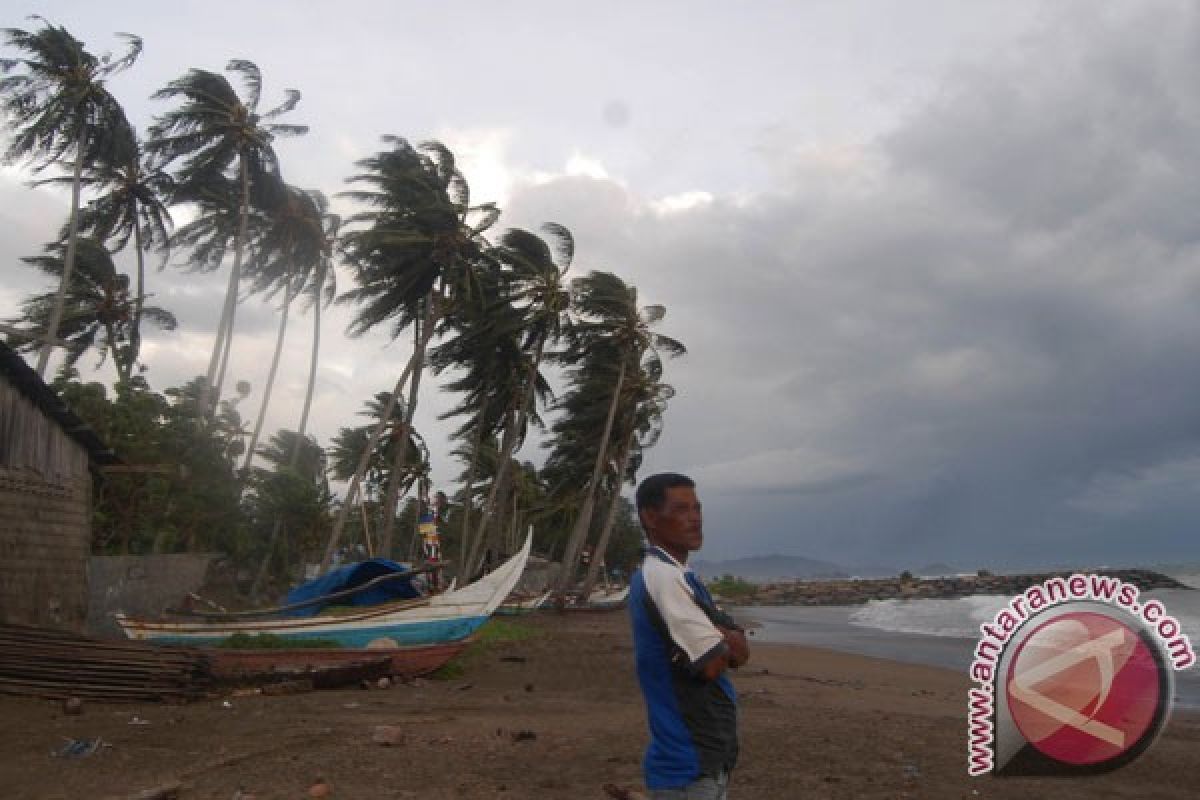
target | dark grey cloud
[{"x": 955, "y": 342}]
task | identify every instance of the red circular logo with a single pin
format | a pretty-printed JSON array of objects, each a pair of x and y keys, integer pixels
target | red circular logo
[{"x": 1084, "y": 688}]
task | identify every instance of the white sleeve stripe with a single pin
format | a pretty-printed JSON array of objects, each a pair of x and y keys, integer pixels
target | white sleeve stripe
[{"x": 688, "y": 625}]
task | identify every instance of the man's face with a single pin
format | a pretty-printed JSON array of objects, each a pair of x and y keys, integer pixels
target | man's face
[{"x": 679, "y": 524}]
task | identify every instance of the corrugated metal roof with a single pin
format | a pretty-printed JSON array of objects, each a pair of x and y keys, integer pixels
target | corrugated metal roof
[{"x": 27, "y": 382}]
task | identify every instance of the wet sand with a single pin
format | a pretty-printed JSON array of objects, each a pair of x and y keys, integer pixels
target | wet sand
[{"x": 554, "y": 716}]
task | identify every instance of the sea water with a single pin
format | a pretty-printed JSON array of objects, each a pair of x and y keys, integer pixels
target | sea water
[{"x": 943, "y": 632}]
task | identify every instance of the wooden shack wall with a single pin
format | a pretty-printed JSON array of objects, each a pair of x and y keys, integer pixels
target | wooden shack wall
[{"x": 45, "y": 518}]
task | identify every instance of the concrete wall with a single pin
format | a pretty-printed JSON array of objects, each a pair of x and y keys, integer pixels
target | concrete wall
[
  {"x": 140, "y": 585},
  {"x": 45, "y": 536},
  {"x": 45, "y": 518}
]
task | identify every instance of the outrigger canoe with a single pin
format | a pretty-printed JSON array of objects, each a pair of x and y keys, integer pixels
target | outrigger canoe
[{"x": 447, "y": 617}]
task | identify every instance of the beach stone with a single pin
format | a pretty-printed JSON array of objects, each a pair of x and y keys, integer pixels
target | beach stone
[
  {"x": 320, "y": 789},
  {"x": 384, "y": 683},
  {"x": 73, "y": 706},
  {"x": 388, "y": 735}
]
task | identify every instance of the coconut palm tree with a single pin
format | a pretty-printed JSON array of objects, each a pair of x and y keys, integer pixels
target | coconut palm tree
[
  {"x": 130, "y": 205},
  {"x": 416, "y": 252},
  {"x": 319, "y": 292},
  {"x": 534, "y": 281},
  {"x": 95, "y": 310},
  {"x": 56, "y": 102},
  {"x": 212, "y": 131},
  {"x": 352, "y": 445},
  {"x": 293, "y": 493},
  {"x": 609, "y": 340},
  {"x": 642, "y": 408},
  {"x": 289, "y": 251}
]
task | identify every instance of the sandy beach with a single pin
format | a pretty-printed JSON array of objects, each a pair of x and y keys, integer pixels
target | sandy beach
[{"x": 554, "y": 715}]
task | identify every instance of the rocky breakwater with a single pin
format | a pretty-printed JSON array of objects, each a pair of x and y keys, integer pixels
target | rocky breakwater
[{"x": 854, "y": 592}]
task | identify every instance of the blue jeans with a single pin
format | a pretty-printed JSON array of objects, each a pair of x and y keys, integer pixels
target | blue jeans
[{"x": 703, "y": 789}]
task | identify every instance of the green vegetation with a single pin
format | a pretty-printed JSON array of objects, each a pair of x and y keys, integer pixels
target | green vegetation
[
  {"x": 496, "y": 631},
  {"x": 731, "y": 587}
]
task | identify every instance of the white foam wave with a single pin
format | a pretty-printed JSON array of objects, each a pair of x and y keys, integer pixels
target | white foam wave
[
  {"x": 953, "y": 617},
  {"x": 962, "y": 616}
]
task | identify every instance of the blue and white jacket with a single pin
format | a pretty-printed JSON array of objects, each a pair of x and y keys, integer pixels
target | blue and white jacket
[{"x": 693, "y": 722}]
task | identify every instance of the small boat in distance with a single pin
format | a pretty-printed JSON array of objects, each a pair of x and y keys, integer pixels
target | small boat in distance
[
  {"x": 447, "y": 617},
  {"x": 518, "y": 603}
]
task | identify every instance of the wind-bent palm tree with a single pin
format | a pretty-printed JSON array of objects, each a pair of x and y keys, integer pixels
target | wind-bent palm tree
[
  {"x": 56, "y": 103},
  {"x": 287, "y": 254},
  {"x": 416, "y": 256},
  {"x": 534, "y": 285},
  {"x": 213, "y": 131},
  {"x": 293, "y": 493},
  {"x": 483, "y": 343},
  {"x": 612, "y": 336},
  {"x": 352, "y": 445},
  {"x": 319, "y": 292},
  {"x": 95, "y": 307},
  {"x": 130, "y": 206},
  {"x": 643, "y": 405}
]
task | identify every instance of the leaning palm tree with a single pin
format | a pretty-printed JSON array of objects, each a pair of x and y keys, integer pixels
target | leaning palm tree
[
  {"x": 536, "y": 270},
  {"x": 615, "y": 331},
  {"x": 215, "y": 130},
  {"x": 56, "y": 103},
  {"x": 642, "y": 407},
  {"x": 289, "y": 251},
  {"x": 319, "y": 292},
  {"x": 293, "y": 493},
  {"x": 130, "y": 206},
  {"x": 95, "y": 308},
  {"x": 416, "y": 253},
  {"x": 352, "y": 446}
]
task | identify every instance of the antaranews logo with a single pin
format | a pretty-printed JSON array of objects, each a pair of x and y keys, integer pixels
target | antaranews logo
[{"x": 1075, "y": 676}]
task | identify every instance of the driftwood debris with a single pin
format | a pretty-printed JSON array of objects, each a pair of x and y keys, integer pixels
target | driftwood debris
[{"x": 58, "y": 664}]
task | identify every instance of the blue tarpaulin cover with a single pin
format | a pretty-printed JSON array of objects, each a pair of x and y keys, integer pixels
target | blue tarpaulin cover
[{"x": 348, "y": 577}]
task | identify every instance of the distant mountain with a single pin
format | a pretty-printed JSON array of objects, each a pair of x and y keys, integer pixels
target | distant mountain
[{"x": 758, "y": 569}]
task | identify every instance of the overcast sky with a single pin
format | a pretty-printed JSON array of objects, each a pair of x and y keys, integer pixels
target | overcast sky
[{"x": 936, "y": 263}]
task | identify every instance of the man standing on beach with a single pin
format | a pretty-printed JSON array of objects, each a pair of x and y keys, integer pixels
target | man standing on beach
[{"x": 684, "y": 645}]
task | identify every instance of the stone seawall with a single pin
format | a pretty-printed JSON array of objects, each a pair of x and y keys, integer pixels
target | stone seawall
[{"x": 855, "y": 592}]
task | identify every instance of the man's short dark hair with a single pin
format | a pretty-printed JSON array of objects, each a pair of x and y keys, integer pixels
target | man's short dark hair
[{"x": 652, "y": 492}]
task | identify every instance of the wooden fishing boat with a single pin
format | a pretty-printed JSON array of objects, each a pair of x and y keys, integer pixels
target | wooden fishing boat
[
  {"x": 447, "y": 617},
  {"x": 606, "y": 599},
  {"x": 520, "y": 603}
]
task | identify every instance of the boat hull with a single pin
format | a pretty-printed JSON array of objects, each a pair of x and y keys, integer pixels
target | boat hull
[
  {"x": 447, "y": 617},
  {"x": 356, "y": 637},
  {"x": 405, "y": 662}
]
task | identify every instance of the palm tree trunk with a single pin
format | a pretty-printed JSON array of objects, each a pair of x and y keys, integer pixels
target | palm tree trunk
[
  {"x": 135, "y": 332},
  {"x": 295, "y": 456},
  {"x": 466, "y": 522},
  {"x": 68, "y": 258},
  {"x": 489, "y": 504},
  {"x": 266, "y": 400},
  {"x": 265, "y": 566},
  {"x": 211, "y": 392},
  {"x": 312, "y": 370},
  {"x": 584, "y": 521},
  {"x": 606, "y": 533},
  {"x": 376, "y": 434},
  {"x": 400, "y": 459}
]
